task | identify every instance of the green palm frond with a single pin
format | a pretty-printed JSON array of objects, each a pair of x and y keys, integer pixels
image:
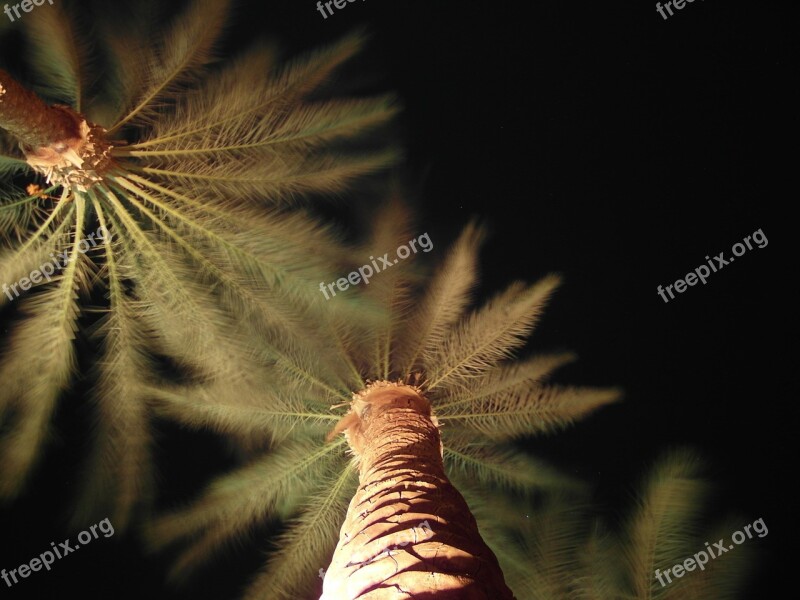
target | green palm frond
[
  {"x": 599, "y": 576},
  {"x": 292, "y": 571},
  {"x": 527, "y": 409},
  {"x": 11, "y": 159},
  {"x": 272, "y": 486},
  {"x": 665, "y": 525},
  {"x": 501, "y": 467},
  {"x": 391, "y": 289},
  {"x": 195, "y": 173},
  {"x": 176, "y": 60},
  {"x": 668, "y": 525},
  {"x": 539, "y": 544},
  {"x": 724, "y": 577},
  {"x": 60, "y": 55},
  {"x": 553, "y": 547},
  {"x": 39, "y": 362},
  {"x": 444, "y": 304},
  {"x": 489, "y": 335}
]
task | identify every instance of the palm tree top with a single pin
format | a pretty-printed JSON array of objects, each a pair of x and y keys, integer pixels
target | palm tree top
[
  {"x": 459, "y": 362},
  {"x": 196, "y": 169}
]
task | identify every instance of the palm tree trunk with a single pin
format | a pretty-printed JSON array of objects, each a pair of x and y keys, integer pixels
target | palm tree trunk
[
  {"x": 408, "y": 532},
  {"x": 57, "y": 141},
  {"x": 35, "y": 124}
]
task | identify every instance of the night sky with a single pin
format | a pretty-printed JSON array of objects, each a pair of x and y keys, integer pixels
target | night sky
[{"x": 597, "y": 141}]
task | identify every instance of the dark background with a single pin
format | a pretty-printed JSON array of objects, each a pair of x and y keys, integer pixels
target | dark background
[{"x": 597, "y": 141}]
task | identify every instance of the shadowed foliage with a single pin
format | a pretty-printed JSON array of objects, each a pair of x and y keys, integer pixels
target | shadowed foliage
[{"x": 558, "y": 550}]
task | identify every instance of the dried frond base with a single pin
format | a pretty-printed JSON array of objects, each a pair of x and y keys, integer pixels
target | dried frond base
[{"x": 75, "y": 162}]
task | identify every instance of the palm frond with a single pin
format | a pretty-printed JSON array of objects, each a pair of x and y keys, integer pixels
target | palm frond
[
  {"x": 445, "y": 301},
  {"x": 59, "y": 55},
  {"x": 271, "y": 486},
  {"x": 118, "y": 472},
  {"x": 124, "y": 37},
  {"x": 175, "y": 301},
  {"x": 499, "y": 467},
  {"x": 539, "y": 545},
  {"x": 308, "y": 543},
  {"x": 264, "y": 414},
  {"x": 178, "y": 58},
  {"x": 666, "y": 523},
  {"x": 11, "y": 159},
  {"x": 724, "y": 577},
  {"x": 278, "y": 178},
  {"x": 390, "y": 289},
  {"x": 489, "y": 335},
  {"x": 526, "y": 410},
  {"x": 599, "y": 574},
  {"x": 20, "y": 212},
  {"x": 252, "y": 91},
  {"x": 504, "y": 379},
  {"x": 553, "y": 539},
  {"x": 40, "y": 366}
]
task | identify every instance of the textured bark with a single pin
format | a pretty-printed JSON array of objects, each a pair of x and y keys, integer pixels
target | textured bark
[
  {"x": 30, "y": 120},
  {"x": 57, "y": 141},
  {"x": 408, "y": 532}
]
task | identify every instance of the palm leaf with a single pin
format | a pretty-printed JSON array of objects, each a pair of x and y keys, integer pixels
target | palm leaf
[
  {"x": 117, "y": 475},
  {"x": 528, "y": 410},
  {"x": 499, "y": 467},
  {"x": 60, "y": 55},
  {"x": 273, "y": 485},
  {"x": 40, "y": 367},
  {"x": 444, "y": 304},
  {"x": 665, "y": 525},
  {"x": 489, "y": 335},
  {"x": 308, "y": 543},
  {"x": 179, "y": 57}
]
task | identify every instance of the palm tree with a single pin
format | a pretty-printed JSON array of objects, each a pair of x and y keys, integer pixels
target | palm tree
[
  {"x": 148, "y": 213},
  {"x": 432, "y": 402}
]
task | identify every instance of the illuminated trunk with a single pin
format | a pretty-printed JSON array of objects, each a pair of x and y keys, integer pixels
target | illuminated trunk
[
  {"x": 408, "y": 532},
  {"x": 30, "y": 120},
  {"x": 56, "y": 141}
]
